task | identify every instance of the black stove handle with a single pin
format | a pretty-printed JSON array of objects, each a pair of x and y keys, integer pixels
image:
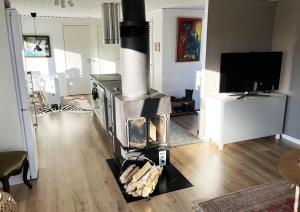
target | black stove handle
[{"x": 95, "y": 94}]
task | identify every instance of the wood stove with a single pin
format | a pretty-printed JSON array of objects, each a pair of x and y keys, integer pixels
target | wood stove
[
  {"x": 142, "y": 127},
  {"x": 141, "y": 115}
]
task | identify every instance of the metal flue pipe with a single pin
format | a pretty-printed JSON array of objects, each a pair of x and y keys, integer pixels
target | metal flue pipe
[
  {"x": 110, "y": 23},
  {"x": 134, "y": 33}
]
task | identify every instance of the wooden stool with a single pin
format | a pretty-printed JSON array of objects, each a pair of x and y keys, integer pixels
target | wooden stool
[
  {"x": 7, "y": 203},
  {"x": 11, "y": 164}
]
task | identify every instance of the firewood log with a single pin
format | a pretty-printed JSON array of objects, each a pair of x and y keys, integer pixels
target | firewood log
[
  {"x": 146, "y": 192},
  {"x": 131, "y": 187},
  {"x": 141, "y": 172},
  {"x": 138, "y": 184},
  {"x": 126, "y": 173},
  {"x": 139, "y": 192},
  {"x": 134, "y": 194},
  {"x": 128, "y": 178},
  {"x": 153, "y": 172},
  {"x": 151, "y": 184},
  {"x": 142, "y": 182}
]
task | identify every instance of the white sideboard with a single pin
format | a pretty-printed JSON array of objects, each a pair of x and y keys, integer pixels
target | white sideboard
[{"x": 229, "y": 120}]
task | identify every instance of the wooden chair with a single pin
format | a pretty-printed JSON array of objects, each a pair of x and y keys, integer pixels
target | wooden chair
[{"x": 12, "y": 164}]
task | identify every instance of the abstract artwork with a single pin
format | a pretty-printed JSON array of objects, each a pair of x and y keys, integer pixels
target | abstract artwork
[
  {"x": 189, "y": 39},
  {"x": 36, "y": 46}
]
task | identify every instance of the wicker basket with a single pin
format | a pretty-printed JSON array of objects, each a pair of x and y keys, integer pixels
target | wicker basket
[{"x": 7, "y": 203}]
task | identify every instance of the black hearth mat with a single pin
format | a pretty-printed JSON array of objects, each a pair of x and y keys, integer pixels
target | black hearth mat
[{"x": 170, "y": 180}]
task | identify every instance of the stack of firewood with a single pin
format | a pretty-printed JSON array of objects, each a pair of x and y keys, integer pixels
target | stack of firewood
[{"x": 141, "y": 182}]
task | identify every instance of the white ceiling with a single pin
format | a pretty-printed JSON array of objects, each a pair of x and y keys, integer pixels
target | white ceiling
[{"x": 91, "y": 8}]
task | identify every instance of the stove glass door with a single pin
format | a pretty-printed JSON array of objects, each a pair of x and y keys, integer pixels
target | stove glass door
[
  {"x": 157, "y": 130},
  {"x": 137, "y": 132}
]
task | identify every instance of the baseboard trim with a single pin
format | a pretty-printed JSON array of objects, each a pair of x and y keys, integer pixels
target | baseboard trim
[{"x": 291, "y": 139}]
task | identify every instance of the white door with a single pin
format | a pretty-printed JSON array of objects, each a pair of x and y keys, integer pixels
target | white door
[{"x": 78, "y": 59}]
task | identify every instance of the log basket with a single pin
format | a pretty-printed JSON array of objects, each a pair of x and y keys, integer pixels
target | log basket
[
  {"x": 140, "y": 163},
  {"x": 125, "y": 164}
]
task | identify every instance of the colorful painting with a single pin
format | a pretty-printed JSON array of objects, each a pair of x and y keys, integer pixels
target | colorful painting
[
  {"x": 36, "y": 46},
  {"x": 189, "y": 39}
]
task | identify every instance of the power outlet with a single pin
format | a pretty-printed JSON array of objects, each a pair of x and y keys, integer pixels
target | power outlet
[{"x": 162, "y": 155}]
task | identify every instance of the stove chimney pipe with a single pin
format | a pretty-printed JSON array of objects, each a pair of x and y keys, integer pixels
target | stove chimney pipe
[{"x": 134, "y": 33}]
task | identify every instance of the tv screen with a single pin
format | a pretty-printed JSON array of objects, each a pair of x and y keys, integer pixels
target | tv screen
[{"x": 249, "y": 72}]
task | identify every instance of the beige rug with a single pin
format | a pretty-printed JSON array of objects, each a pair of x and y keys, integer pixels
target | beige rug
[
  {"x": 277, "y": 196},
  {"x": 73, "y": 104},
  {"x": 180, "y": 136},
  {"x": 81, "y": 101}
]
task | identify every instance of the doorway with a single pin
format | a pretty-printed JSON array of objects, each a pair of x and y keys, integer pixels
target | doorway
[{"x": 78, "y": 58}]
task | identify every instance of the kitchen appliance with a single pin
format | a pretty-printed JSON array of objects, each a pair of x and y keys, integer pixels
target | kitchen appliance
[
  {"x": 27, "y": 130},
  {"x": 104, "y": 86},
  {"x": 99, "y": 103}
]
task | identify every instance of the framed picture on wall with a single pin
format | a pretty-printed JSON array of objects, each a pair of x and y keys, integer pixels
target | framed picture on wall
[
  {"x": 36, "y": 46},
  {"x": 188, "y": 39}
]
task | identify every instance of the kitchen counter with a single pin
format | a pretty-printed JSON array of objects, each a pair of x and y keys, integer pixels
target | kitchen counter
[
  {"x": 106, "y": 77},
  {"x": 110, "y": 82}
]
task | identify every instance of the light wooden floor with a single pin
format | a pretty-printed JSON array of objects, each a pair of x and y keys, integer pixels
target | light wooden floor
[{"x": 74, "y": 175}]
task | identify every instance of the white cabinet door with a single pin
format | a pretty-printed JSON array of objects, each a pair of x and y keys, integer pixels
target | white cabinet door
[{"x": 78, "y": 59}]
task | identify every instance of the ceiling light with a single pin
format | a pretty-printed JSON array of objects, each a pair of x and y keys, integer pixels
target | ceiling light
[
  {"x": 70, "y": 2},
  {"x": 63, "y": 3},
  {"x": 33, "y": 15}
]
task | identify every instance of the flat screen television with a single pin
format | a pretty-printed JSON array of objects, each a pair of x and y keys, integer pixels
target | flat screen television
[{"x": 250, "y": 72}]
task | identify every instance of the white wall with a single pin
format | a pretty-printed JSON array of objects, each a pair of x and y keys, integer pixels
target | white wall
[
  {"x": 171, "y": 77},
  {"x": 178, "y": 76},
  {"x": 106, "y": 57},
  {"x": 156, "y": 36},
  {"x": 10, "y": 136}
]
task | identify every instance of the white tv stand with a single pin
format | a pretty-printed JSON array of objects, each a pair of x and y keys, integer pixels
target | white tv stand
[{"x": 230, "y": 120}]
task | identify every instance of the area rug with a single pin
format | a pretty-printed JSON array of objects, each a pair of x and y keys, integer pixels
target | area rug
[
  {"x": 180, "y": 136},
  {"x": 77, "y": 104},
  {"x": 61, "y": 108},
  {"x": 277, "y": 196},
  {"x": 82, "y": 101}
]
